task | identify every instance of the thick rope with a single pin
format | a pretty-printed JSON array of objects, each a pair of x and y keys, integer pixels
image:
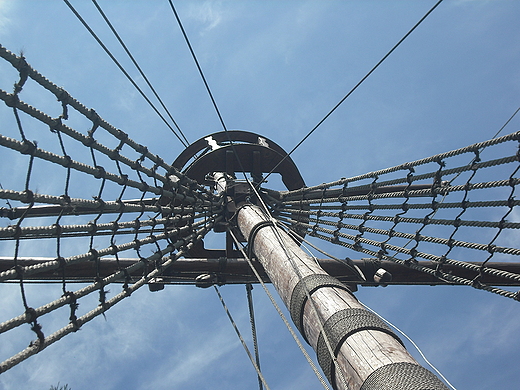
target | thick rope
[
  {"x": 380, "y": 215},
  {"x": 254, "y": 362}
]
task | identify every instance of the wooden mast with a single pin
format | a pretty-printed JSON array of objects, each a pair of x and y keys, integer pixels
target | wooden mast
[
  {"x": 367, "y": 354},
  {"x": 355, "y": 348}
]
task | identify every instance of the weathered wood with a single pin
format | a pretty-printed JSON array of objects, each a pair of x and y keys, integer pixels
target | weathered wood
[
  {"x": 236, "y": 270},
  {"x": 361, "y": 349},
  {"x": 183, "y": 271}
]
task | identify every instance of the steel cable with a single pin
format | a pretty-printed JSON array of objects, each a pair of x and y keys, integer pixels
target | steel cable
[
  {"x": 140, "y": 70},
  {"x": 356, "y": 86},
  {"x": 100, "y": 42}
]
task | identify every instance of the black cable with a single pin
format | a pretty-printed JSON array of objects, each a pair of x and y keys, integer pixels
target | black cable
[
  {"x": 139, "y": 69},
  {"x": 122, "y": 69},
  {"x": 353, "y": 89},
  {"x": 249, "y": 288},
  {"x": 253, "y": 362},
  {"x": 198, "y": 65},
  {"x": 507, "y": 122},
  {"x": 201, "y": 73}
]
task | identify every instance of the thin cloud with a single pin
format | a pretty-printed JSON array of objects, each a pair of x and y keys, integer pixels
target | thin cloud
[
  {"x": 5, "y": 9},
  {"x": 210, "y": 13},
  {"x": 183, "y": 367}
]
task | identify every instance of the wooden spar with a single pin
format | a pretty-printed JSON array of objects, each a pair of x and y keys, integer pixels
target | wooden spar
[
  {"x": 368, "y": 355},
  {"x": 237, "y": 270}
]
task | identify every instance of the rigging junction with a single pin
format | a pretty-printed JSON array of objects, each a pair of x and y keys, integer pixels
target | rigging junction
[
  {"x": 200, "y": 193},
  {"x": 318, "y": 293},
  {"x": 233, "y": 153}
]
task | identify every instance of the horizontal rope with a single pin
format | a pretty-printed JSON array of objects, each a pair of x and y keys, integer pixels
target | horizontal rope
[
  {"x": 407, "y": 194},
  {"x": 36, "y": 346},
  {"x": 96, "y": 172},
  {"x": 89, "y": 256},
  {"x": 402, "y": 219},
  {"x": 394, "y": 248},
  {"x": 432, "y": 206},
  {"x": 99, "y": 205},
  {"x": 64, "y": 300},
  {"x": 406, "y": 166},
  {"x": 89, "y": 228},
  {"x": 22, "y": 66},
  {"x": 438, "y": 274},
  {"x": 297, "y": 194},
  {"x": 409, "y": 236}
]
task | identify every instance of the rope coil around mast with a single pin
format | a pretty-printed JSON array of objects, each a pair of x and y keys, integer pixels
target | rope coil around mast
[{"x": 196, "y": 197}]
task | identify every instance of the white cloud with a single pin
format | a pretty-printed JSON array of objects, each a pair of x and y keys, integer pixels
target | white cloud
[
  {"x": 210, "y": 14},
  {"x": 194, "y": 360},
  {"x": 6, "y": 7}
]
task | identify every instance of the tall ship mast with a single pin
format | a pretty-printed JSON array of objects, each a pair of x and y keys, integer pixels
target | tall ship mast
[{"x": 103, "y": 224}]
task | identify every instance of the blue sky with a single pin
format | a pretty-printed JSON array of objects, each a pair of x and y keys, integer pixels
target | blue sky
[{"x": 275, "y": 68}]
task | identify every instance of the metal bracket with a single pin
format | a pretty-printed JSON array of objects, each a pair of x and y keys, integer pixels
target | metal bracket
[{"x": 231, "y": 152}]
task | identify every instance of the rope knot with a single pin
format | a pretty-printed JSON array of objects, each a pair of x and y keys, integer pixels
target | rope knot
[
  {"x": 94, "y": 253},
  {"x": 92, "y": 227},
  {"x": 113, "y": 154},
  {"x": 475, "y": 283},
  {"x": 73, "y": 304},
  {"x": 121, "y": 205},
  {"x": 31, "y": 315},
  {"x": 113, "y": 249},
  {"x": 88, "y": 141},
  {"x": 57, "y": 229},
  {"x": 23, "y": 69},
  {"x": 439, "y": 161},
  {"x": 100, "y": 202},
  {"x": 457, "y": 222},
  {"x": 144, "y": 187},
  {"x": 28, "y": 147},
  {"x": 125, "y": 179},
  {"x": 100, "y": 172},
  {"x": 19, "y": 271},
  {"x": 62, "y": 262},
  {"x": 409, "y": 176},
  {"x": 12, "y": 101},
  {"x": 28, "y": 196},
  {"x": 17, "y": 231}
]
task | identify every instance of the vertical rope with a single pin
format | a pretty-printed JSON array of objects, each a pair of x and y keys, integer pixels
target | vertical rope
[
  {"x": 253, "y": 362},
  {"x": 249, "y": 288}
]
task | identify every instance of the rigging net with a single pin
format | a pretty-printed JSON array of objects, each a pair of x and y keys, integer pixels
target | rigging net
[
  {"x": 139, "y": 205},
  {"x": 456, "y": 208},
  {"x": 144, "y": 206}
]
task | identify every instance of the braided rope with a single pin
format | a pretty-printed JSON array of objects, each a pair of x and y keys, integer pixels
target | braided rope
[
  {"x": 476, "y": 199},
  {"x": 174, "y": 212},
  {"x": 37, "y": 346},
  {"x": 168, "y": 216},
  {"x": 406, "y": 166}
]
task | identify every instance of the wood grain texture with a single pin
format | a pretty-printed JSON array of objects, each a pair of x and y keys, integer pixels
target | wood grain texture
[{"x": 362, "y": 352}]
